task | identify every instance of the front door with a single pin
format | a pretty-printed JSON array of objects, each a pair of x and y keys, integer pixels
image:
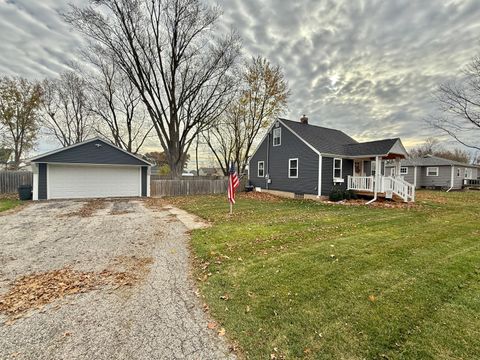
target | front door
[{"x": 358, "y": 167}]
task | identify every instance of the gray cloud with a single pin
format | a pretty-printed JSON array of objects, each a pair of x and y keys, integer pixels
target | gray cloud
[{"x": 366, "y": 67}]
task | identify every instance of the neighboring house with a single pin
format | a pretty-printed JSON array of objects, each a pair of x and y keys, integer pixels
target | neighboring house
[
  {"x": 304, "y": 159},
  {"x": 204, "y": 171},
  {"x": 92, "y": 169},
  {"x": 432, "y": 171}
]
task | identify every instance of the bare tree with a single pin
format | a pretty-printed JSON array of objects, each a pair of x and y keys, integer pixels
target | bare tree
[
  {"x": 20, "y": 102},
  {"x": 432, "y": 146},
  {"x": 171, "y": 52},
  {"x": 117, "y": 104},
  {"x": 66, "y": 114},
  {"x": 460, "y": 106},
  {"x": 262, "y": 98}
]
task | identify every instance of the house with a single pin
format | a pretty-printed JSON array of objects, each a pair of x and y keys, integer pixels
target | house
[
  {"x": 92, "y": 169},
  {"x": 205, "y": 171},
  {"x": 432, "y": 171},
  {"x": 300, "y": 158}
]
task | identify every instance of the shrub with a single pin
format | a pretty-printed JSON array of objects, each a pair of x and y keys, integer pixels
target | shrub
[{"x": 336, "y": 194}]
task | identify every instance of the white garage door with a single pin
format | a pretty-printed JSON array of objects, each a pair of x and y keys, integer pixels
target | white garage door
[{"x": 74, "y": 181}]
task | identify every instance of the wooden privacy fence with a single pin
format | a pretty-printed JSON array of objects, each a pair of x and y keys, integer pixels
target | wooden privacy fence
[
  {"x": 187, "y": 187},
  {"x": 11, "y": 180}
]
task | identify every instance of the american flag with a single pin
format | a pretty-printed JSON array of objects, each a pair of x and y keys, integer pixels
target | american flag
[{"x": 233, "y": 183}]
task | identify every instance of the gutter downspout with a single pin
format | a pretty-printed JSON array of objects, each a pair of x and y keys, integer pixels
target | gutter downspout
[
  {"x": 319, "y": 176},
  {"x": 451, "y": 178},
  {"x": 375, "y": 188},
  {"x": 268, "y": 162}
]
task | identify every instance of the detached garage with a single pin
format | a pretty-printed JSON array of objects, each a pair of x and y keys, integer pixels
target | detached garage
[{"x": 92, "y": 169}]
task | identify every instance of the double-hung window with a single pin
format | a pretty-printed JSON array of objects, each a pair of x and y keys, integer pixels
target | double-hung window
[
  {"x": 337, "y": 168},
  {"x": 432, "y": 171},
  {"x": 261, "y": 169},
  {"x": 293, "y": 168},
  {"x": 277, "y": 136}
]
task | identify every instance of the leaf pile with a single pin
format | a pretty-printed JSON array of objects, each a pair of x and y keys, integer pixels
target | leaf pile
[
  {"x": 39, "y": 289},
  {"x": 259, "y": 196},
  {"x": 88, "y": 209}
]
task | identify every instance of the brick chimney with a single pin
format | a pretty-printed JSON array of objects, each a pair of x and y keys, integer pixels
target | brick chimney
[{"x": 304, "y": 120}]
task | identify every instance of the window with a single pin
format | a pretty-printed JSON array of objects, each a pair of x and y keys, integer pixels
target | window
[
  {"x": 293, "y": 168},
  {"x": 403, "y": 170},
  {"x": 392, "y": 172},
  {"x": 458, "y": 172},
  {"x": 468, "y": 173},
  {"x": 261, "y": 169},
  {"x": 432, "y": 171},
  {"x": 337, "y": 168},
  {"x": 277, "y": 136}
]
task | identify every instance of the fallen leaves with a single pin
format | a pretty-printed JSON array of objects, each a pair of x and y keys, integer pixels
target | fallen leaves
[
  {"x": 212, "y": 325},
  {"x": 259, "y": 196},
  {"x": 36, "y": 290},
  {"x": 221, "y": 332},
  {"x": 372, "y": 298},
  {"x": 88, "y": 208}
]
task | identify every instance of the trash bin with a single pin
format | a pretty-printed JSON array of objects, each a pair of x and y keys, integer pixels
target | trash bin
[{"x": 25, "y": 192}]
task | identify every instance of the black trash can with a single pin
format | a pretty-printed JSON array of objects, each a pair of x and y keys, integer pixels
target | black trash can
[{"x": 25, "y": 192}]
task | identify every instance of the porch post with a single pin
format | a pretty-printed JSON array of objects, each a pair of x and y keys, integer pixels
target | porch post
[
  {"x": 378, "y": 167},
  {"x": 397, "y": 166}
]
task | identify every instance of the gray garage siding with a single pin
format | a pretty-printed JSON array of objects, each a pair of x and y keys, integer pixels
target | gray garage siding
[
  {"x": 291, "y": 147},
  {"x": 42, "y": 181},
  {"x": 90, "y": 153},
  {"x": 144, "y": 180},
  {"x": 327, "y": 174}
]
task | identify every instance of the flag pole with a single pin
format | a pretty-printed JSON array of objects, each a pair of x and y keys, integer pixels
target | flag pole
[{"x": 231, "y": 208}]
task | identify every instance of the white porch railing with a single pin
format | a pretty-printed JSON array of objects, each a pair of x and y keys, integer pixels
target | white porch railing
[
  {"x": 386, "y": 184},
  {"x": 360, "y": 183}
]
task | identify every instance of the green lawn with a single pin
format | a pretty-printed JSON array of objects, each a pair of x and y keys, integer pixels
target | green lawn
[
  {"x": 300, "y": 279},
  {"x": 6, "y": 204}
]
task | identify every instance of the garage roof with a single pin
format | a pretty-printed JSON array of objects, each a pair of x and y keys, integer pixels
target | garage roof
[{"x": 93, "y": 151}]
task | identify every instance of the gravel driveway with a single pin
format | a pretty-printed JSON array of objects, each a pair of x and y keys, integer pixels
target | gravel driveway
[{"x": 158, "y": 317}]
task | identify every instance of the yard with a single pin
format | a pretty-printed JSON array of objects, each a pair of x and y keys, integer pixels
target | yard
[
  {"x": 7, "y": 204},
  {"x": 292, "y": 279}
]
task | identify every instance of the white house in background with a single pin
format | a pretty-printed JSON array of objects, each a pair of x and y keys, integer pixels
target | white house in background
[
  {"x": 435, "y": 172},
  {"x": 92, "y": 169}
]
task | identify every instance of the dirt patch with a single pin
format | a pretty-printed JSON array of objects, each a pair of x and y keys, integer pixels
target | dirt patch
[
  {"x": 34, "y": 291},
  {"x": 379, "y": 203},
  {"x": 121, "y": 207},
  {"x": 88, "y": 209}
]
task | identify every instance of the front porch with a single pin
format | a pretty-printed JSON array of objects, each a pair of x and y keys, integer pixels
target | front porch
[{"x": 378, "y": 183}]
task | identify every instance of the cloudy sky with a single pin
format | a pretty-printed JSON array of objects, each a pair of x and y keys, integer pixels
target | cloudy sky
[{"x": 366, "y": 67}]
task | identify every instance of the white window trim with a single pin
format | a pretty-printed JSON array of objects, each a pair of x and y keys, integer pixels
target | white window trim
[
  {"x": 279, "y": 137},
  {"x": 406, "y": 170},
  {"x": 289, "y": 168},
  {"x": 392, "y": 171},
  {"x": 263, "y": 169},
  {"x": 431, "y": 168},
  {"x": 336, "y": 179}
]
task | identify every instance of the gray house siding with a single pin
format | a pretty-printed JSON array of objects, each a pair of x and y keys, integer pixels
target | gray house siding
[
  {"x": 260, "y": 155},
  {"x": 278, "y": 160},
  {"x": 408, "y": 177},
  {"x": 42, "y": 181},
  {"x": 327, "y": 174},
  {"x": 93, "y": 152},
  {"x": 442, "y": 180},
  {"x": 144, "y": 180}
]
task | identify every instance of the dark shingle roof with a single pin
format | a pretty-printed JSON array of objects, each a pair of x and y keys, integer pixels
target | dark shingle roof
[
  {"x": 332, "y": 141},
  {"x": 378, "y": 147},
  {"x": 431, "y": 160},
  {"x": 323, "y": 139}
]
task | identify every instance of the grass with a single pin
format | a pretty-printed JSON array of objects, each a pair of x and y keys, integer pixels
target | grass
[
  {"x": 300, "y": 279},
  {"x": 7, "y": 204}
]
